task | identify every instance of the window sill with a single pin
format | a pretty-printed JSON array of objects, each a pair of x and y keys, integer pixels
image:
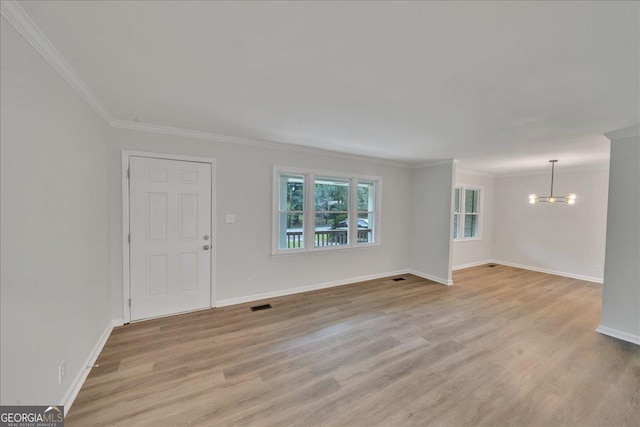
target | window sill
[
  {"x": 468, "y": 239},
  {"x": 324, "y": 250}
]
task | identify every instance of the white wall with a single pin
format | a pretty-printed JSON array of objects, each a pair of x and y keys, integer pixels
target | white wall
[
  {"x": 621, "y": 294},
  {"x": 430, "y": 231},
  {"x": 55, "y": 269},
  {"x": 244, "y": 182},
  {"x": 562, "y": 239},
  {"x": 467, "y": 253}
]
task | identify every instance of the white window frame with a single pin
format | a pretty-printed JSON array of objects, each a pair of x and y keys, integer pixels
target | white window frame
[
  {"x": 309, "y": 210},
  {"x": 461, "y": 220}
]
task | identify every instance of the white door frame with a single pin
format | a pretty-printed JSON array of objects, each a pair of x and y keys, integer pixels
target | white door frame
[{"x": 126, "y": 266}]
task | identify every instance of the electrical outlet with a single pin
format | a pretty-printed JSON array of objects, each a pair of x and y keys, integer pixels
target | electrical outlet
[
  {"x": 230, "y": 219},
  {"x": 62, "y": 371}
]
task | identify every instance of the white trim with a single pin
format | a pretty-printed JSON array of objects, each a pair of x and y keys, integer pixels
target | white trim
[
  {"x": 178, "y": 313},
  {"x": 446, "y": 282},
  {"x": 554, "y": 272},
  {"x": 20, "y": 20},
  {"x": 621, "y": 335},
  {"x": 317, "y": 286},
  {"x": 126, "y": 282},
  {"x": 85, "y": 369},
  {"x": 601, "y": 165},
  {"x": 467, "y": 239},
  {"x": 472, "y": 264},
  {"x": 117, "y": 322},
  {"x": 430, "y": 163},
  {"x": 476, "y": 173},
  {"x": 227, "y": 139},
  {"x": 633, "y": 132},
  {"x": 16, "y": 16},
  {"x": 126, "y": 256},
  {"x": 298, "y": 252}
]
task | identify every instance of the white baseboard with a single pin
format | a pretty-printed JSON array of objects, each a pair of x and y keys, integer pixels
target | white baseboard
[
  {"x": 554, "y": 272},
  {"x": 83, "y": 373},
  {"x": 315, "y": 287},
  {"x": 437, "y": 279},
  {"x": 615, "y": 333},
  {"x": 471, "y": 264}
]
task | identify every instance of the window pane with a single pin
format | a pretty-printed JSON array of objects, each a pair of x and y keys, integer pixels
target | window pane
[
  {"x": 291, "y": 193},
  {"x": 334, "y": 219},
  {"x": 455, "y": 225},
  {"x": 366, "y": 208},
  {"x": 291, "y": 231},
  {"x": 471, "y": 201},
  {"x": 470, "y": 225},
  {"x": 366, "y": 223},
  {"x": 366, "y": 196},
  {"x": 331, "y": 194},
  {"x": 331, "y": 229},
  {"x": 457, "y": 201}
]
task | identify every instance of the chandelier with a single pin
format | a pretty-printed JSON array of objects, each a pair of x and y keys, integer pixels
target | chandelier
[{"x": 570, "y": 198}]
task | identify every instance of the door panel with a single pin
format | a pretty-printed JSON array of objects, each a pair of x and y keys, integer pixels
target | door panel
[
  {"x": 188, "y": 216},
  {"x": 156, "y": 215},
  {"x": 170, "y": 215}
]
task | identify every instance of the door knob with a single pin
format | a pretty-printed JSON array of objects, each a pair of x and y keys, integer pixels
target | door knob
[
  {"x": 206, "y": 237},
  {"x": 206, "y": 247}
]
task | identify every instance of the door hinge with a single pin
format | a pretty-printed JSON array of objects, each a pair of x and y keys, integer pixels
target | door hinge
[
  {"x": 129, "y": 238},
  {"x": 129, "y": 302},
  {"x": 129, "y": 173}
]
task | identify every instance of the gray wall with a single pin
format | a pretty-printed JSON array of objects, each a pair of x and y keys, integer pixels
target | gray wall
[
  {"x": 244, "y": 188},
  {"x": 431, "y": 219},
  {"x": 55, "y": 300},
  {"x": 621, "y": 294}
]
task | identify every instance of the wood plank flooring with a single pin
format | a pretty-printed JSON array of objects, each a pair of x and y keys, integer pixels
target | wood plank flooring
[{"x": 502, "y": 347}]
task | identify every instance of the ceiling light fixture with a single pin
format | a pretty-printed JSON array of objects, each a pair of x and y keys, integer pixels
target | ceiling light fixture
[{"x": 569, "y": 199}]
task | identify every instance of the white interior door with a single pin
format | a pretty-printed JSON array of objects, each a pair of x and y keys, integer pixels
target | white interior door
[{"x": 170, "y": 226}]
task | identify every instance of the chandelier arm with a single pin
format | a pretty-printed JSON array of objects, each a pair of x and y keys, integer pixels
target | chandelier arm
[{"x": 553, "y": 164}]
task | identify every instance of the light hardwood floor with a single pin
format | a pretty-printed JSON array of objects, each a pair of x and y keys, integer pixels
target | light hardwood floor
[{"x": 501, "y": 347}]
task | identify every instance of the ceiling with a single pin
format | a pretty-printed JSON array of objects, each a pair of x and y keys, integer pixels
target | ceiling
[{"x": 500, "y": 86}]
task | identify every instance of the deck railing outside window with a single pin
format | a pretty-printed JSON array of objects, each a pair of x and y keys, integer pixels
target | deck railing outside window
[{"x": 328, "y": 237}]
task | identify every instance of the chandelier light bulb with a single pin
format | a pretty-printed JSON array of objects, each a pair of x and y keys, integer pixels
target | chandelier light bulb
[{"x": 572, "y": 201}]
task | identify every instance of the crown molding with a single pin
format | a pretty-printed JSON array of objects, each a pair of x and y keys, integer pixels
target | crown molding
[
  {"x": 633, "y": 132},
  {"x": 259, "y": 143},
  {"x": 20, "y": 20},
  {"x": 476, "y": 173},
  {"x": 593, "y": 167},
  {"x": 432, "y": 163},
  {"x": 17, "y": 17}
]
